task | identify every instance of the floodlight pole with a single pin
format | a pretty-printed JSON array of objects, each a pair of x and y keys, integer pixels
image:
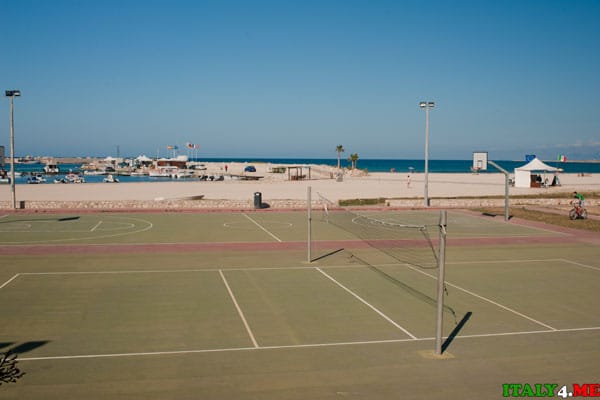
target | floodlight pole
[
  {"x": 309, "y": 208},
  {"x": 12, "y": 94},
  {"x": 426, "y": 105}
]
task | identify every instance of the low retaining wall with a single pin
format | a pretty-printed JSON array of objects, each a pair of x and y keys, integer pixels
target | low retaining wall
[
  {"x": 151, "y": 205},
  {"x": 210, "y": 204},
  {"x": 476, "y": 203}
]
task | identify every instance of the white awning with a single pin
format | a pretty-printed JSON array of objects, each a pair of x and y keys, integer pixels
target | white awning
[{"x": 537, "y": 165}]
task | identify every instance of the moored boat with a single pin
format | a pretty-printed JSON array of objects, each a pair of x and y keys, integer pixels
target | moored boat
[
  {"x": 51, "y": 168},
  {"x": 110, "y": 179},
  {"x": 163, "y": 171},
  {"x": 70, "y": 178},
  {"x": 35, "y": 179}
]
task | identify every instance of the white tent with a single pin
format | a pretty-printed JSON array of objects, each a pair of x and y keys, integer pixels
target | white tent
[{"x": 523, "y": 173}]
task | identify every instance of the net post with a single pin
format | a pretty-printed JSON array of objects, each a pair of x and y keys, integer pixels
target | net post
[
  {"x": 440, "y": 281},
  {"x": 309, "y": 210}
]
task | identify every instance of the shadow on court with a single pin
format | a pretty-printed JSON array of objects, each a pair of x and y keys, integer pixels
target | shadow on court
[
  {"x": 25, "y": 347},
  {"x": 327, "y": 255},
  {"x": 41, "y": 219},
  {"x": 9, "y": 370},
  {"x": 456, "y": 331}
]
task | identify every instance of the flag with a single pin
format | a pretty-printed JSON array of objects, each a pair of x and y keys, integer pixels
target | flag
[
  {"x": 190, "y": 145},
  {"x": 562, "y": 157},
  {"x": 169, "y": 147},
  {"x": 196, "y": 146}
]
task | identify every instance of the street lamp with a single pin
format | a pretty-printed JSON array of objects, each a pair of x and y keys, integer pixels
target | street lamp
[
  {"x": 12, "y": 94},
  {"x": 427, "y": 105}
]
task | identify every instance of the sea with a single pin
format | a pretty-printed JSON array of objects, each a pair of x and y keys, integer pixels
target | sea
[{"x": 371, "y": 165}]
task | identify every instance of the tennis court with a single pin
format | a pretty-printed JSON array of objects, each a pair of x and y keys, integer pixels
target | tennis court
[{"x": 226, "y": 305}]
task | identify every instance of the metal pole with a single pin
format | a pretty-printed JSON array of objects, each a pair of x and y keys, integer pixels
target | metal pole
[
  {"x": 506, "y": 188},
  {"x": 440, "y": 289},
  {"x": 309, "y": 208},
  {"x": 426, "y": 105},
  {"x": 426, "y": 195},
  {"x": 12, "y": 152},
  {"x": 506, "y": 197}
]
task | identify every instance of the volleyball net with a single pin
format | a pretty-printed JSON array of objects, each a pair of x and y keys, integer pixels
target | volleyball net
[{"x": 380, "y": 240}]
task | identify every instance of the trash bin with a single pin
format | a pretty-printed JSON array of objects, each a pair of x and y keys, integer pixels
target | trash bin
[{"x": 257, "y": 200}]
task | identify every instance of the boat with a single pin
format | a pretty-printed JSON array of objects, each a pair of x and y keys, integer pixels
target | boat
[
  {"x": 99, "y": 170},
  {"x": 27, "y": 160},
  {"x": 7, "y": 174},
  {"x": 35, "y": 179},
  {"x": 211, "y": 178},
  {"x": 94, "y": 172},
  {"x": 195, "y": 165},
  {"x": 166, "y": 171},
  {"x": 51, "y": 168},
  {"x": 243, "y": 177},
  {"x": 70, "y": 178},
  {"x": 183, "y": 173},
  {"x": 110, "y": 179}
]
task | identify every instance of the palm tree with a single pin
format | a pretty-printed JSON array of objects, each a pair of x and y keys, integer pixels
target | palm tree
[
  {"x": 353, "y": 159},
  {"x": 340, "y": 150}
]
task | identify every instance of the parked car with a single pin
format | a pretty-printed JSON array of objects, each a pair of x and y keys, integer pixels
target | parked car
[{"x": 250, "y": 168}]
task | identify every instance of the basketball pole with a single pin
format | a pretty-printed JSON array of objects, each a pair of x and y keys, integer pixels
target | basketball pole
[
  {"x": 506, "y": 189},
  {"x": 480, "y": 162},
  {"x": 440, "y": 288}
]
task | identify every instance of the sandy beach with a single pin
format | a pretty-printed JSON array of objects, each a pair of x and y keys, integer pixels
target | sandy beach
[{"x": 277, "y": 187}]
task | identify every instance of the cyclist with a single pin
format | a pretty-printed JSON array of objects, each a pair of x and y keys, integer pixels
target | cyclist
[{"x": 580, "y": 199}]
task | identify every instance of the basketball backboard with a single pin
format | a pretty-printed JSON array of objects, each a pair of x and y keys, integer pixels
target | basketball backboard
[{"x": 480, "y": 160}]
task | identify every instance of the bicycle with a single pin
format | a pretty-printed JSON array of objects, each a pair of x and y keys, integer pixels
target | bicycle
[{"x": 577, "y": 212}]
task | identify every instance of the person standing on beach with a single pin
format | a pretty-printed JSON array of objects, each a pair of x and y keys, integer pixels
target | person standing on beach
[{"x": 408, "y": 181}]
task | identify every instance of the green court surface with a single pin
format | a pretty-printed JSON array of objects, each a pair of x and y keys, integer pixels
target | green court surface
[
  {"x": 217, "y": 227},
  {"x": 242, "y": 314}
]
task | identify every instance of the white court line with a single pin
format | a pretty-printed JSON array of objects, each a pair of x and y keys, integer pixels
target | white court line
[
  {"x": 177, "y": 271},
  {"x": 366, "y": 303},
  {"x": 96, "y": 226},
  {"x": 579, "y": 264},
  {"x": 261, "y": 227},
  {"x": 157, "y": 271},
  {"x": 50, "y": 242},
  {"x": 532, "y": 260},
  {"x": 528, "y": 260},
  {"x": 9, "y": 281},
  {"x": 486, "y": 299},
  {"x": 300, "y": 346},
  {"x": 306, "y": 267},
  {"x": 483, "y": 335},
  {"x": 164, "y": 271},
  {"x": 239, "y": 310}
]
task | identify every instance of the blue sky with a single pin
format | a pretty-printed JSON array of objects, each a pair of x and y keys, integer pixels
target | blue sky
[{"x": 297, "y": 78}]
